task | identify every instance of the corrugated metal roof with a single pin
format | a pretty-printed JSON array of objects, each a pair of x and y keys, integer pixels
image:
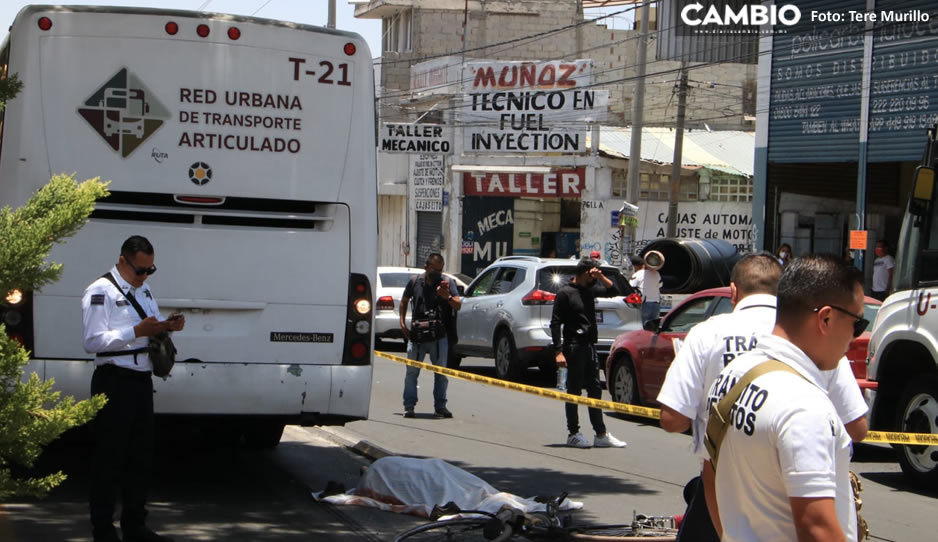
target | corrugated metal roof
[{"x": 729, "y": 151}]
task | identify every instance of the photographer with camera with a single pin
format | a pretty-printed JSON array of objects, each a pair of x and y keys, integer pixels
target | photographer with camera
[{"x": 435, "y": 302}]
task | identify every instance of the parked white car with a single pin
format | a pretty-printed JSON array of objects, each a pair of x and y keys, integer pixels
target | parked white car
[{"x": 390, "y": 288}]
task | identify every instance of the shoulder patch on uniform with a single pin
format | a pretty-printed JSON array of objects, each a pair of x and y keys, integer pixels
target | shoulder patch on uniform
[
  {"x": 97, "y": 299},
  {"x": 147, "y": 293}
]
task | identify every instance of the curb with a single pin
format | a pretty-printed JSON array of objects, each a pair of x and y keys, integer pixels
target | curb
[{"x": 350, "y": 440}]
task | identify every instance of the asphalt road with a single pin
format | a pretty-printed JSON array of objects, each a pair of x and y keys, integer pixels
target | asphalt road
[
  {"x": 515, "y": 442},
  {"x": 206, "y": 489}
]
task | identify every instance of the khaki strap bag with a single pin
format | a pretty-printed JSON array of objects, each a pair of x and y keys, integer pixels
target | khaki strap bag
[{"x": 720, "y": 419}]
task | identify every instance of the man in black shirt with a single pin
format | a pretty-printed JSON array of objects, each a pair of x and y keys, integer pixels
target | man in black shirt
[{"x": 575, "y": 311}]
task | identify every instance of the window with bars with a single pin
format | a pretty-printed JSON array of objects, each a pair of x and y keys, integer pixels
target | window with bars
[
  {"x": 730, "y": 189},
  {"x": 657, "y": 187},
  {"x": 654, "y": 187}
]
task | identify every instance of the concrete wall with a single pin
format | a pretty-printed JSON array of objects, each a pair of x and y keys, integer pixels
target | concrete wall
[
  {"x": 437, "y": 30},
  {"x": 720, "y": 105},
  {"x": 392, "y": 231}
]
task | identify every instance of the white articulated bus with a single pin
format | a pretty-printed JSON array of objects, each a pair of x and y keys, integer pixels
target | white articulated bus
[{"x": 244, "y": 150}]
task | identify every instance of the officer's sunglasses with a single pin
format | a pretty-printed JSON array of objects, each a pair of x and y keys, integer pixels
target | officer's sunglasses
[
  {"x": 142, "y": 270},
  {"x": 859, "y": 325}
]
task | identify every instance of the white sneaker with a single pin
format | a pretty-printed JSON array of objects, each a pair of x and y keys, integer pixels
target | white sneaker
[
  {"x": 578, "y": 441},
  {"x": 608, "y": 441}
]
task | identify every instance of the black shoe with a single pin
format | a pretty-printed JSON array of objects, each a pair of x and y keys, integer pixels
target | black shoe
[
  {"x": 442, "y": 413},
  {"x": 409, "y": 412},
  {"x": 145, "y": 535}
]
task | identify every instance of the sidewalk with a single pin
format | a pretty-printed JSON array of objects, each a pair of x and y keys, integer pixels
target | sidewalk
[{"x": 221, "y": 493}]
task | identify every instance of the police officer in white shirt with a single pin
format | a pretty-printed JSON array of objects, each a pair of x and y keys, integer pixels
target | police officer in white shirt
[
  {"x": 783, "y": 472},
  {"x": 118, "y": 336},
  {"x": 707, "y": 349}
]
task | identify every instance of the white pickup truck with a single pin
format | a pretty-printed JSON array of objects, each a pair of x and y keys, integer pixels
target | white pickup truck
[{"x": 903, "y": 350}]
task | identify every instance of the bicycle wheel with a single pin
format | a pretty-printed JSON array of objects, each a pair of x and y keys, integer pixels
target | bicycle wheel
[
  {"x": 453, "y": 530},
  {"x": 621, "y": 533}
]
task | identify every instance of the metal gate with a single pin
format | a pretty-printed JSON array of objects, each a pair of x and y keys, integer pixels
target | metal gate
[{"x": 429, "y": 236}]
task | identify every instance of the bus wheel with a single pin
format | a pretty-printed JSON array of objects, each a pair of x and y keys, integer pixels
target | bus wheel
[
  {"x": 918, "y": 413},
  {"x": 263, "y": 435}
]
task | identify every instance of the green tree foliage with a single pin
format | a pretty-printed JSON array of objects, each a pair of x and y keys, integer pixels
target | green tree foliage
[
  {"x": 56, "y": 211},
  {"x": 9, "y": 88},
  {"x": 32, "y": 414}
]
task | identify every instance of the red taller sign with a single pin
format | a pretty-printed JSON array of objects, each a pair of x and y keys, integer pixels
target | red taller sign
[{"x": 561, "y": 183}]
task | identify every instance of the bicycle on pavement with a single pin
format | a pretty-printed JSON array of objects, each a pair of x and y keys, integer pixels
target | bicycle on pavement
[{"x": 544, "y": 526}]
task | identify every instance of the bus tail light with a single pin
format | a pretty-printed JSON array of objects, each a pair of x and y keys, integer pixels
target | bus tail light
[
  {"x": 171, "y": 28},
  {"x": 202, "y": 30},
  {"x": 350, "y": 49},
  {"x": 16, "y": 314},
  {"x": 14, "y": 297},
  {"x": 234, "y": 33},
  {"x": 358, "y": 329},
  {"x": 45, "y": 23}
]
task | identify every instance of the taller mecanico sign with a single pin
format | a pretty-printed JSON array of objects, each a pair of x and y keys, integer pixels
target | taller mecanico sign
[{"x": 529, "y": 107}]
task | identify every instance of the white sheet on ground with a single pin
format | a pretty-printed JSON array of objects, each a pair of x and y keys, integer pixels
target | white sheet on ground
[{"x": 414, "y": 486}]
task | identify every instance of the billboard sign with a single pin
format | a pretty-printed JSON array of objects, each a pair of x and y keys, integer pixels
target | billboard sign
[{"x": 522, "y": 107}]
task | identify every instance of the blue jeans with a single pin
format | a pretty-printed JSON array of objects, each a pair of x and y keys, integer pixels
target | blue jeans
[
  {"x": 416, "y": 352},
  {"x": 650, "y": 311}
]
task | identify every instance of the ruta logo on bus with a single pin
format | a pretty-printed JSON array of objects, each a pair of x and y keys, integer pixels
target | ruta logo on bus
[{"x": 124, "y": 112}]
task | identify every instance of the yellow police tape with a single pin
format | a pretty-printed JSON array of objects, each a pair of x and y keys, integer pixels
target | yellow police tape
[
  {"x": 645, "y": 412},
  {"x": 533, "y": 390},
  {"x": 929, "y": 439}
]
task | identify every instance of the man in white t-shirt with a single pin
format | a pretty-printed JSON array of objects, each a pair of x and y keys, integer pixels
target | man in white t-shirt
[
  {"x": 650, "y": 285},
  {"x": 635, "y": 280},
  {"x": 783, "y": 471},
  {"x": 707, "y": 349},
  {"x": 883, "y": 267}
]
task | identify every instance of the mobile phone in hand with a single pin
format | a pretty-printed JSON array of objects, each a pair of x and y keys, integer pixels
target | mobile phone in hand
[{"x": 175, "y": 316}]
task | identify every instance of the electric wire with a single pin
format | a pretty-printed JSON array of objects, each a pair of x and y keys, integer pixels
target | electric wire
[{"x": 862, "y": 30}]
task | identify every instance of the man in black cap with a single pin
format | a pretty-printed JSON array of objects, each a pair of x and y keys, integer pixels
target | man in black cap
[{"x": 574, "y": 335}]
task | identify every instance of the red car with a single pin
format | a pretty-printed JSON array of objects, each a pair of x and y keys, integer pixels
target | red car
[{"x": 639, "y": 360}]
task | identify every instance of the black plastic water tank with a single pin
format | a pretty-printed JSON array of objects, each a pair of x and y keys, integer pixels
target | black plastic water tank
[{"x": 691, "y": 265}]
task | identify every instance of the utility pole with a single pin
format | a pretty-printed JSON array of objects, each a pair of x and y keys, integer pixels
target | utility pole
[
  {"x": 638, "y": 107},
  {"x": 678, "y": 151},
  {"x": 331, "y": 21}
]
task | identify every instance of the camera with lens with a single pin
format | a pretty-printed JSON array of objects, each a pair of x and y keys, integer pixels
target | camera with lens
[{"x": 428, "y": 328}]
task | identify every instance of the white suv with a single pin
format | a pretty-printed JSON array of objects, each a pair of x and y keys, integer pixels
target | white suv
[{"x": 506, "y": 313}]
